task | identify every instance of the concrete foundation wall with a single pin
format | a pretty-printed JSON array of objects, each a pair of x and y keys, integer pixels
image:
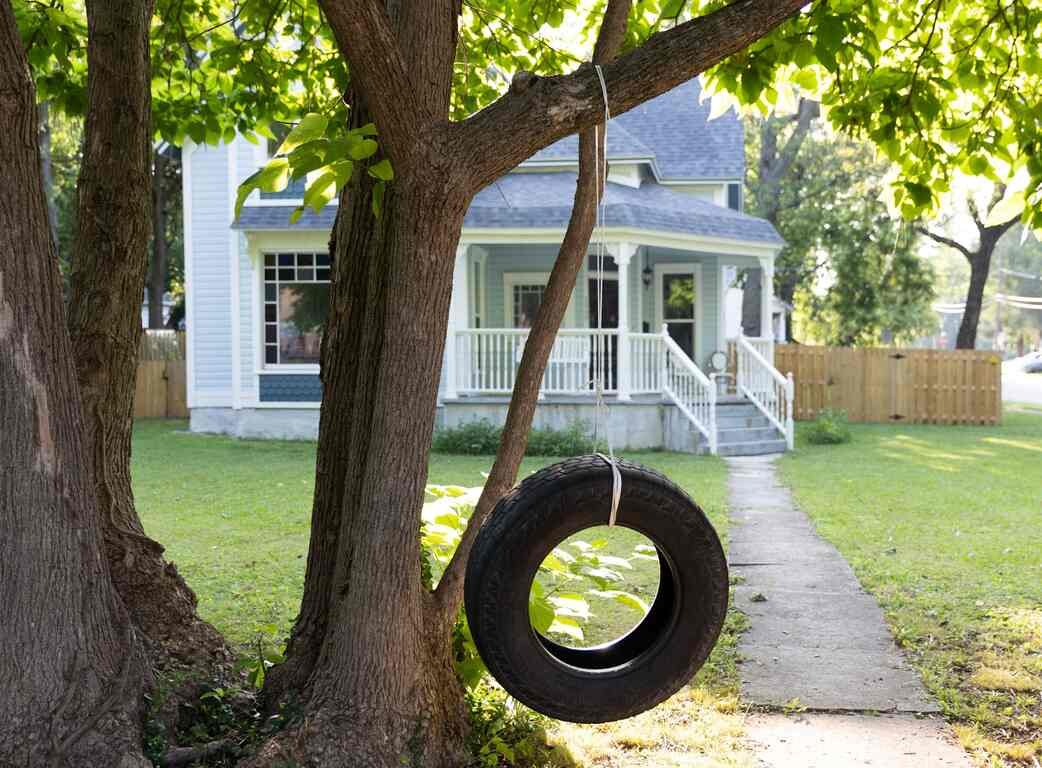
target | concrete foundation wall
[
  {"x": 634, "y": 426},
  {"x": 257, "y": 423}
]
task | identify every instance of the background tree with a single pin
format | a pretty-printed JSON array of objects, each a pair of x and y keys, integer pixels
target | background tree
[
  {"x": 850, "y": 269},
  {"x": 991, "y": 223}
]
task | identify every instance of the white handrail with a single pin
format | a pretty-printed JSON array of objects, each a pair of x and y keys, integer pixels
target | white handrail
[
  {"x": 691, "y": 391},
  {"x": 766, "y": 388}
]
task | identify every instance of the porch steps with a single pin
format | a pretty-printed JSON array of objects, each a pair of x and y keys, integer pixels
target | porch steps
[{"x": 743, "y": 431}]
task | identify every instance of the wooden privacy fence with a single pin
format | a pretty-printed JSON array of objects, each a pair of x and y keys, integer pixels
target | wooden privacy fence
[
  {"x": 919, "y": 386},
  {"x": 161, "y": 383}
]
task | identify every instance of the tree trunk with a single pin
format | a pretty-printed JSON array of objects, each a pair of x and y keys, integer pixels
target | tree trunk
[
  {"x": 71, "y": 669},
  {"x": 108, "y": 278},
  {"x": 372, "y": 666},
  {"x": 157, "y": 266},
  {"x": 980, "y": 265}
]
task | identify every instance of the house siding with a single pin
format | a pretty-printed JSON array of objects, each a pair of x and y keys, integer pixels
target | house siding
[
  {"x": 248, "y": 277},
  {"x": 209, "y": 292}
]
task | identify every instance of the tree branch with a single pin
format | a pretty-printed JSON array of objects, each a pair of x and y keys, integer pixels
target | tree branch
[
  {"x": 514, "y": 439},
  {"x": 807, "y": 112},
  {"x": 947, "y": 241},
  {"x": 539, "y": 110},
  {"x": 368, "y": 42}
]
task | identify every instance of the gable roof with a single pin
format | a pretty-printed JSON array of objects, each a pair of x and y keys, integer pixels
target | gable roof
[{"x": 675, "y": 132}]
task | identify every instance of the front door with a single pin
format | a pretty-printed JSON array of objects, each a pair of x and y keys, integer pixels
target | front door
[
  {"x": 677, "y": 304},
  {"x": 605, "y": 348}
]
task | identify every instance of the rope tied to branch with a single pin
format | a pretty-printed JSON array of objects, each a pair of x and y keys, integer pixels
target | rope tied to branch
[{"x": 601, "y": 341}]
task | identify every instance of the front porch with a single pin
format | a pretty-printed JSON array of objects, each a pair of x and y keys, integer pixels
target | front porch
[{"x": 664, "y": 308}]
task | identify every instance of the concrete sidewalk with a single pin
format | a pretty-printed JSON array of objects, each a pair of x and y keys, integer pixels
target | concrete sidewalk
[{"x": 818, "y": 641}]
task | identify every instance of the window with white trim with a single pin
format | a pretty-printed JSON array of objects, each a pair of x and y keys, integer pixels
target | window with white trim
[
  {"x": 296, "y": 303},
  {"x": 526, "y": 299}
]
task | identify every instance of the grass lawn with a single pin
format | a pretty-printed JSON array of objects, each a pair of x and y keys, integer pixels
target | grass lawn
[
  {"x": 234, "y": 516},
  {"x": 944, "y": 526}
]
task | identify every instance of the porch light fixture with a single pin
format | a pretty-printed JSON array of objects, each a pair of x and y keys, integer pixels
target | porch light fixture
[{"x": 645, "y": 276}]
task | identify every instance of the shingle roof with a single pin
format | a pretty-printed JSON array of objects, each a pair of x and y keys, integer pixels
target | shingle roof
[
  {"x": 676, "y": 130},
  {"x": 544, "y": 200}
]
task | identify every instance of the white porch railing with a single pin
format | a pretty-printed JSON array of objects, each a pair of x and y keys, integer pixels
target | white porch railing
[
  {"x": 487, "y": 360},
  {"x": 764, "y": 385},
  {"x": 689, "y": 389},
  {"x": 645, "y": 363}
]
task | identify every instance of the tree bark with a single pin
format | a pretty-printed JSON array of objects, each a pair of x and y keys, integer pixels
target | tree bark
[
  {"x": 71, "y": 667},
  {"x": 157, "y": 265},
  {"x": 108, "y": 278}
]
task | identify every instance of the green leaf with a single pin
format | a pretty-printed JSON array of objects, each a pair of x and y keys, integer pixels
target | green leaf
[
  {"x": 321, "y": 191},
  {"x": 565, "y": 625},
  {"x": 310, "y": 127},
  {"x": 378, "y": 198},
  {"x": 363, "y": 149},
  {"x": 382, "y": 170},
  {"x": 625, "y": 598},
  {"x": 273, "y": 177},
  {"x": 541, "y": 615}
]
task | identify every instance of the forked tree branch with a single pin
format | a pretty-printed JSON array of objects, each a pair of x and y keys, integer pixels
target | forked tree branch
[
  {"x": 367, "y": 41},
  {"x": 944, "y": 240},
  {"x": 539, "y": 110},
  {"x": 514, "y": 439}
]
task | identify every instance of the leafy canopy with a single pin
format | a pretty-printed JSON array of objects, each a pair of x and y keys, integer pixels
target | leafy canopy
[{"x": 939, "y": 86}]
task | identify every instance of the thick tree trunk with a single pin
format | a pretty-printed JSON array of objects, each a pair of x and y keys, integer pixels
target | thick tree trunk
[
  {"x": 371, "y": 665},
  {"x": 71, "y": 668},
  {"x": 980, "y": 266},
  {"x": 108, "y": 278},
  {"x": 157, "y": 266}
]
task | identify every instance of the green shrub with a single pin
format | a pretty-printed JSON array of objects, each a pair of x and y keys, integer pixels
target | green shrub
[
  {"x": 505, "y": 733},
  {"x": 481, "y": 438},
  {"x": 573, "y": 440},
  {"x": 830, "y": 428}
]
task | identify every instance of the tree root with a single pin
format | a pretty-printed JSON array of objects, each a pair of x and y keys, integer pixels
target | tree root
[{"x": 187, "y": 755}]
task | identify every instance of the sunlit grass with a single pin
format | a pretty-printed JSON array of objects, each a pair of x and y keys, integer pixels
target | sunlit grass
[{"x": 944, "y": 526}]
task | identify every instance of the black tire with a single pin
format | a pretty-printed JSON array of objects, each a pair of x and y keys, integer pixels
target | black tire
[{"x": 640, "y": 669}]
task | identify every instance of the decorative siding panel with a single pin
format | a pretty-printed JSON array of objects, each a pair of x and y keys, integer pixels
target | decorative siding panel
[
  {"x": 210, "y": 292},
  {"x": 290, "y": 388}
]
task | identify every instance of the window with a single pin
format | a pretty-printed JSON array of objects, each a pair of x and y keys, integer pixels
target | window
[
  {"x": 527, "y": 299},
  {"x": 734, "y": 196},
  {"x": 296, "y": 302}
]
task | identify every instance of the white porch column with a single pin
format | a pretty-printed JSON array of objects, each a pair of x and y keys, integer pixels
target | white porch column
[
  {"x": 623, "y": 256},
  {"x": 766, "y": 299},
  {"x": 458, "y": 313}
]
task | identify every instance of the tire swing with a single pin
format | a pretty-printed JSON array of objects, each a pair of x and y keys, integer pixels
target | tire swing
[{"x": 653, "y": 660}]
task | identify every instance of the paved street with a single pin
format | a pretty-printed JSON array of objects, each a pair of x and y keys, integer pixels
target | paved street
[{"x": 1020, "y": 387}]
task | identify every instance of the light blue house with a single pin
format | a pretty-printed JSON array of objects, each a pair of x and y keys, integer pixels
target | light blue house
[{"x": 677, "y": 244}]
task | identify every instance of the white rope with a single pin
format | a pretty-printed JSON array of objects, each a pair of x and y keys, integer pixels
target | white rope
[{"x": 600, "y": 339}]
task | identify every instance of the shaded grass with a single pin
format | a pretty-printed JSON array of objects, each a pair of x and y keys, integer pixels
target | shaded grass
[
  {"x": 234, "y": 516},
  {"x": 944, "y": 526}
]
